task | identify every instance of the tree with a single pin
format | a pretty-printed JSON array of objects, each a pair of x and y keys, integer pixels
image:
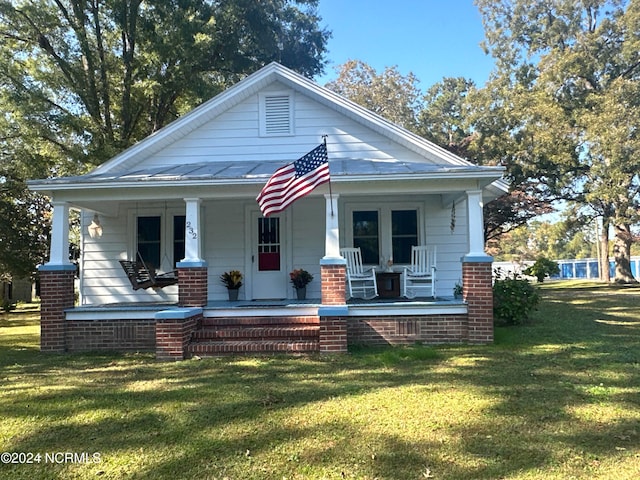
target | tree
[
  {"x": 389, "y": 94},
  {"x": 456, "y": 116},
  {"x": 445, "y": 117},
  {"x": 81, "y": 80},
  {"x": 567, "y": 84},
  {"x": 110, "y": 73}
]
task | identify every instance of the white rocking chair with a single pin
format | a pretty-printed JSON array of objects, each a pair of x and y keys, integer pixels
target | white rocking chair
[
  {"x": 362, "y": 283},
  {"x": 420, "y": 277}
]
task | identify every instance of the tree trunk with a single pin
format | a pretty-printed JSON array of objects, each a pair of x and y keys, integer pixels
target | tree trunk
[
  {"x": 605, "y": 274},
  {"x": 622, "y": 254}
]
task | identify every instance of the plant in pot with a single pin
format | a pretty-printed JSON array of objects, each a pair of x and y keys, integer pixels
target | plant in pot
[
  {"x": 233, "y": 281},
  {"x": 457, "y": 290},
  {"x": 300, "y": 278}
]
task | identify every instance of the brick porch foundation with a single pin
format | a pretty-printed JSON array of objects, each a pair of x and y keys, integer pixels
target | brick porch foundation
[{"x": 170, "y": 332}]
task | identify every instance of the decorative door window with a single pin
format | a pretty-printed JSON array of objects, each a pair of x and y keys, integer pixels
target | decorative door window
[{"x": 269, "y": 245}]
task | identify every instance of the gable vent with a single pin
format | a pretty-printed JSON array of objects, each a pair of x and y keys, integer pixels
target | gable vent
[{"x": 277, "y": 115}]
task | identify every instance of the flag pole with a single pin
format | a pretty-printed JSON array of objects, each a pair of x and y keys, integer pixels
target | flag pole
[{"x": 324, "y": 140}]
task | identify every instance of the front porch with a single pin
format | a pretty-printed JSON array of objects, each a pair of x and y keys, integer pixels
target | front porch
[
  {"x": 198, "y": 325},
  {"x": 258, "y": 327}
]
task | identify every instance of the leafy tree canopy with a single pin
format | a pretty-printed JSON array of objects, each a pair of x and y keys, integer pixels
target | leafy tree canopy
[
  {"x": 81, "y": 80},
  {"x": 389, "y": 94},
  {"x": 565, "y": 92}
]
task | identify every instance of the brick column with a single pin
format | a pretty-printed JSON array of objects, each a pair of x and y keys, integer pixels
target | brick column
[
  {"x": 478, "y": 293},
  {"x": 173, "y": 332},
  {"x": 333, "y": 313},
  {"x": 192, "y": 284},
  {"x": 56, "y": 295},
  {"x": 333, "y": 278},
  {"x": 333, "y": 330}
]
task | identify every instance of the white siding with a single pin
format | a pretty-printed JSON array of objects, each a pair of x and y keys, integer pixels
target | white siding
[
  {"x": 234, "y": 136},
  {"x": 103, "y": 280},
  {"x": 225, "y": 238}
]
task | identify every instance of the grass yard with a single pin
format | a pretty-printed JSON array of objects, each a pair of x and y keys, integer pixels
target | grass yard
[{"x": 556, "y": 398}]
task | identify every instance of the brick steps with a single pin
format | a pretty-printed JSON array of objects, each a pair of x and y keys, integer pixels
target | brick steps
[
  {"x": 238, "y": 347},
  {"x": 255, "y": 335}
]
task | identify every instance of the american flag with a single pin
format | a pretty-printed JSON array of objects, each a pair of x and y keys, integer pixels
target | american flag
[{"x": 294, "y": 181}]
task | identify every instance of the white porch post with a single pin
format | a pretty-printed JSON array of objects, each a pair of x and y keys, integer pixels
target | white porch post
[
  {"x": 59, "y": 252},
  {"x": 332, "y": 233},
  {"x": 192, "y": 242},
  {"x": 476, "y": 224}
]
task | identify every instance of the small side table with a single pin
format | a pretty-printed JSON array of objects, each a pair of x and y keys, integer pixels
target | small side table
[{"x": 388, "y": 284}]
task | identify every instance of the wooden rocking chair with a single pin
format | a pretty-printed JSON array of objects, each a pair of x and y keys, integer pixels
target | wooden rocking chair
[
  {"x": 143, "y": 277},
  {"x": 420, "y": 277},
  {"x": 361, "y": 282}
]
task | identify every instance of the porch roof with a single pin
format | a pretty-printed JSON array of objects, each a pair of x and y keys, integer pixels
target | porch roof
[{"x": 257, "y": 172}]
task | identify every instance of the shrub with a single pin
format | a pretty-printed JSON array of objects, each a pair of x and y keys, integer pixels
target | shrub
[
  {"x": 513, "y": 299},
  {"x": 542, "y": 268}
]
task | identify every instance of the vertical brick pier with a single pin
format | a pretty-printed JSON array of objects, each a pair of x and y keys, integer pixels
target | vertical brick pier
[
  {"x": 192, "y": 284},
  {"x": 478, "y": 293},
  {"x": 175, "y": 327},
  {"x": 333, "y": 319},
  {"x": 173, "y": 332},
  {"x": 56, "y": 295}
]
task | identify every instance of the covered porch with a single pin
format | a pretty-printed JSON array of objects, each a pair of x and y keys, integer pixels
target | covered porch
[{"x": 172, "y": 319}]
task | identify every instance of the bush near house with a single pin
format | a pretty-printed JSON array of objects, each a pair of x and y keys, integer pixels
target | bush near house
[
  {"x": 514, "y": 298},
  {"x": 541, "y": 268}
]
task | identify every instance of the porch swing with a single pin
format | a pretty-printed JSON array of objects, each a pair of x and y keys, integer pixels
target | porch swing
[{"x": 142, "y": 276}]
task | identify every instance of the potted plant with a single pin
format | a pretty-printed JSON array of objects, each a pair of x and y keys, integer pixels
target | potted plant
[
  {"x": 457, "y": 290},
  {"x": 300, "y": 278},
  {"x": 233, "y": 281}
]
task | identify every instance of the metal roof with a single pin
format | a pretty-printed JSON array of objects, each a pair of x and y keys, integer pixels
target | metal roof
[{"x": 259, "y": 172}]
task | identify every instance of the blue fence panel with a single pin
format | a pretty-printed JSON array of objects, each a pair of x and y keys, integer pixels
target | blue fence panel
[
  {"x": 567, "y": 270},
  {"x": 581, "y": 269},
  {"x": 594, "y": 269}
]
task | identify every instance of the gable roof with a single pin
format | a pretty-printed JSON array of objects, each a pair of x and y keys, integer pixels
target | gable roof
[
  {"x": 126, "y": 169},
  {"x": 249, "y": 86}
]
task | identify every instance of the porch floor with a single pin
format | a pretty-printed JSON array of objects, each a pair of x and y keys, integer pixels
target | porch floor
[{"x": 316, "y": 302}]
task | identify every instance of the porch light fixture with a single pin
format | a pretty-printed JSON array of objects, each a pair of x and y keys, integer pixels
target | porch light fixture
[{"x": 95, "y": 229}]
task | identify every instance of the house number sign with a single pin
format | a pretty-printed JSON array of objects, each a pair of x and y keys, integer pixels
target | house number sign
[{"x": 192, "y": 231}]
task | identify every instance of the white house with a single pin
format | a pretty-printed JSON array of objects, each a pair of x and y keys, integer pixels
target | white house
[{"x": 184, "y": 199}]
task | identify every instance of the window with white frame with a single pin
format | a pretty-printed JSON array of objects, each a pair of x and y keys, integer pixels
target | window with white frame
[
  {"x": 404, "y": 234},
  {"x": 385, "y": 233},
  {"x": 160, "y": 242}
]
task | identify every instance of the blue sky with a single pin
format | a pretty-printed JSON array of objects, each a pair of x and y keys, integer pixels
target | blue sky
[{"x": 431, "y": 38}]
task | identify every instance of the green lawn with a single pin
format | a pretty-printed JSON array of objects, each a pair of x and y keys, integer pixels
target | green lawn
[{"x": 555, "y": 398}]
